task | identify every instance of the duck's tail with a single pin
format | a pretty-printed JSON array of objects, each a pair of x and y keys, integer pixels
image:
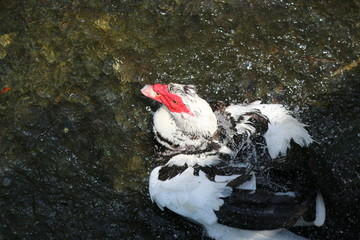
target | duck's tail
[{"x": 320, "y": 213}]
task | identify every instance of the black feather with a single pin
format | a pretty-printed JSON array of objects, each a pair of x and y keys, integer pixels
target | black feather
[
  {"x": 260, "y": 210},
  {"x": 168, "y": 172}
]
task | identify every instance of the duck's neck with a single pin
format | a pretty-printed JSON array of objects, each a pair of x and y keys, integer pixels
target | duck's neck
[
  {"x": 202, "y": 122},
  {"x": 184, "y": 128}
]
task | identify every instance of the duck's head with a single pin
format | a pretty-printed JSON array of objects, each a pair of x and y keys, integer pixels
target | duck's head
[
  {"x": 173, "y": 96},
  {"x": 191, "y": 113}
]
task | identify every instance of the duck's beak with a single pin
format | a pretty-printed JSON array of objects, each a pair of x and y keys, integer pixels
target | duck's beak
[{"x": 148, "y": 91}]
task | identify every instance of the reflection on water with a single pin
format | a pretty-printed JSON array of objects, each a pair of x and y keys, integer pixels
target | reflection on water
[{"x": 76, "y": 143}]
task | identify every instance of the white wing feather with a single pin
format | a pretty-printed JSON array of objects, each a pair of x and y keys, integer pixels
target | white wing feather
[
  {"x": 195, "y": 197},
  {"x": 282, "y": 127}
]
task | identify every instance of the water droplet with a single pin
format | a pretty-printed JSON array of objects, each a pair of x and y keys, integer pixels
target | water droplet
[{"x": 6, "y": 182}]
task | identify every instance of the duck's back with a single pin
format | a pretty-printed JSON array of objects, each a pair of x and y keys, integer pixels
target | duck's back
[{"x": 269, "y": 122}]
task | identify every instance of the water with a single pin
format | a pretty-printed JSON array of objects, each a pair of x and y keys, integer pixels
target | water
[{"x": 76, "y": 143}]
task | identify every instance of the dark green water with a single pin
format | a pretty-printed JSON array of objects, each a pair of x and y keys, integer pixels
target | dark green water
[{"x": 76, "y": 142}]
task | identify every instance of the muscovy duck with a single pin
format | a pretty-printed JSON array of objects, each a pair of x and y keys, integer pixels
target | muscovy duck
[{"x": 239, "y": 170}]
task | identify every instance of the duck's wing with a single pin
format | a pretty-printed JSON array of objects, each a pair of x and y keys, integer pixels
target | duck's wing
[
  {"x": 235, "y": 196},
  {"x": 273, "y": 123},
  {"x": 260, "y": 210},
  {"x": 264, "y": 209},
  {"x": 286, "y": 194},
  {"x": 187, "y": 192}
]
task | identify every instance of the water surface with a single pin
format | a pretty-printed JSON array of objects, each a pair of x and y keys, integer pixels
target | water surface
[{"x": 76, "y": 141}]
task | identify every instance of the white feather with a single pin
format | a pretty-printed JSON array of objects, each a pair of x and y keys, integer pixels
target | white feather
[
  {"x": 319, "y": 216},
  {"x": 236, "y": 111},
  {"x": 320, "y": 210},
  {"x": 165, "y": 125},
  {"x": 282, "y": 127},
  {"x": 192, "y": 160},
  {"x": 195, "y": 197}
]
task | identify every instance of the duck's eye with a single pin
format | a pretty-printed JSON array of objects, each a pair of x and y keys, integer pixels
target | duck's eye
[
  {"x": 174, "y": 101},
  {"x": 157, "y": 94}
]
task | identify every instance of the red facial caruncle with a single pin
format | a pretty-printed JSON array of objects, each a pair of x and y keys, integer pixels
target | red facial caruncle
[{"x": 160, "y": 93}]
